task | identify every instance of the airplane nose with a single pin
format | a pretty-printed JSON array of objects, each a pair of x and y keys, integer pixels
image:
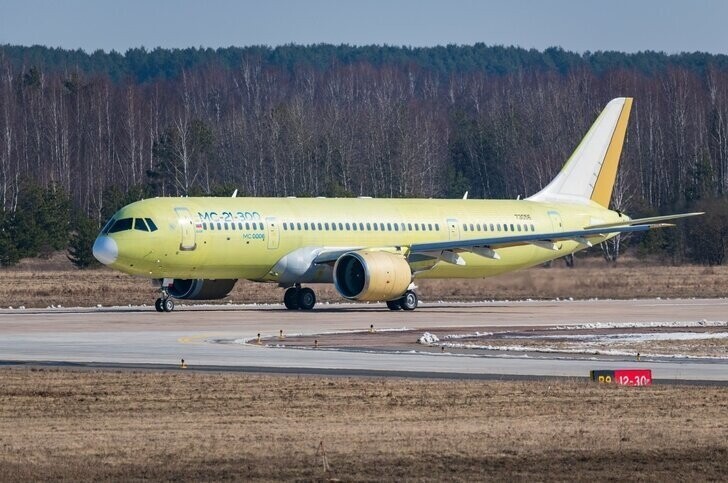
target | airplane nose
[{"x": 105, "y": 250}]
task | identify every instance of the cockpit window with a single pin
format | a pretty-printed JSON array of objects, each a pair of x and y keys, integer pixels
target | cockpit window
[
  {"x": 108, "y": 224},
  {"x": 121, "y": 225},
  {"x": 140, "y": 225},
  {"x": 150, "y": 223}
]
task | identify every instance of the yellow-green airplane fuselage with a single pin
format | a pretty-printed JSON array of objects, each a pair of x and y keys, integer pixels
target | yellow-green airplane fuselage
[{"x": 226, "y": 238}]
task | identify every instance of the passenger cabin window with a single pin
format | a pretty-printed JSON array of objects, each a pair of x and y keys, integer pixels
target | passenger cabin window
[
  {"x": 140, "y": 225},
  {"x": 121, "y": 225}
]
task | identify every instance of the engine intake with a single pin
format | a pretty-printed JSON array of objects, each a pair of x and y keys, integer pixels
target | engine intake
[
  {"x": 200, "y": 289},
  {"x": 372, "y": 276}
]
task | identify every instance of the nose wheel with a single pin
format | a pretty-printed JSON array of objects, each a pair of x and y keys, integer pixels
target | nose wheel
[
  {"x": 297, "y": 298},
  {"x": 164, "y": 303}
]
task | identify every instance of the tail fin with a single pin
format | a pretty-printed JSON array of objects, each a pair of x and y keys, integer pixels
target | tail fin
[{"x": 590, "y": 172}]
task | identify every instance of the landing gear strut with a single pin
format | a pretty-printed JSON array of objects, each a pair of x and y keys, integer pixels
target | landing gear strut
[
  {"x": 297, "y": 298},
  {"x": 408, "y": 301},
  {"x": 164, "y": 303}
]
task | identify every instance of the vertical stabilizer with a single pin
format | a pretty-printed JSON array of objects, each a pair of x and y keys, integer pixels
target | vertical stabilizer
[{"x": 590, "y": 172}]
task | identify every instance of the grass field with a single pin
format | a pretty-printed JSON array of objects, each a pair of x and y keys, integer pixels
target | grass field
[
  {"x": 83, "y": 425},
  {"x": 39, "y": 283}
]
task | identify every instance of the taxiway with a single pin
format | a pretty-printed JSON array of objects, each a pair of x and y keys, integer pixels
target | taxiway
[{"x": 212, "y": 336}]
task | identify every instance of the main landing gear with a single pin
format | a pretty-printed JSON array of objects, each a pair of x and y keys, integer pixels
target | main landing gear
[
  {"x": 297, "y": 298},
  {"x": 164, "y": 303},
  {"x": 408, "y": 301}
]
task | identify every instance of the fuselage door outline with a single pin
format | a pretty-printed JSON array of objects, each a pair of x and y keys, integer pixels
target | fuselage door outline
[
  {"x": 556, "y": 224},
  {"x": 187, "y": 229},
  {"x": 273, "y": 233},
  {"x": 453, "y": 229}
]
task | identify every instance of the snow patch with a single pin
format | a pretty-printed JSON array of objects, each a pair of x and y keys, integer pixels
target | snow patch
[
  {"x": 644, "y": 325},
  {"x": 467, "y": 336},
  {"x": 428, "y": 339}
]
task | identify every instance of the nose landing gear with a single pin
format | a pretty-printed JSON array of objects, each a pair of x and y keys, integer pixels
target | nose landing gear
[
  {"x": 164, "y": 303},
  {"x": 296, "y": 298}
]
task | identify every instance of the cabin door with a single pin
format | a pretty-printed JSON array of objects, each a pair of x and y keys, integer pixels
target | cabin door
[
  {"x": 274, "y": 234},
  {"x": 556, "y": 224},
  {"x": 187, "y": 229}
]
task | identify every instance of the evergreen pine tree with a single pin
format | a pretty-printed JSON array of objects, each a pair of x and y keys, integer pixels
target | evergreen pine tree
[
  {"x": 8, "y": 251},
  {"x": 81, "y": 242}
]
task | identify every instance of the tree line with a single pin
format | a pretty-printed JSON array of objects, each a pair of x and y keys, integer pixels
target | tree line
[{"x": 90, "y": 132}]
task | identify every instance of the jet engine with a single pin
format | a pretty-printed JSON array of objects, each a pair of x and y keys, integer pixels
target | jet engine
[
  {"x": 200, "y": 289},
  {"x": 372, "y": 276}
]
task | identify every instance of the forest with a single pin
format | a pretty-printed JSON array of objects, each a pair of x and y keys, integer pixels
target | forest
[{"x": 83, "y": 134}]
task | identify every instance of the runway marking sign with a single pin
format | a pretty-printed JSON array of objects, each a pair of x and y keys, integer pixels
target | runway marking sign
[{"x": 623, "y": 377}]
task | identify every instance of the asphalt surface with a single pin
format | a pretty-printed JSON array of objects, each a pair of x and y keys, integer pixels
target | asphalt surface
[{"x": 210, "y": 337}]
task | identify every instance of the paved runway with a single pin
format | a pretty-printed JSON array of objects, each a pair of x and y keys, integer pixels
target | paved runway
[{"x": 203, "y": 336}]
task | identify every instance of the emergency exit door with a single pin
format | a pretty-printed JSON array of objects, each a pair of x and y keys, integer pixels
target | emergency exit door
[{"x": 453, "y": 229}]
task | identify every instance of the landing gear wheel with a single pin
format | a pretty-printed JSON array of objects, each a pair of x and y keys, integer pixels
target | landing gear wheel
[
  {"x": 168, "y": 305},
  {"x": 408, "y": 300},
  {"x": 306, "y": 299},
  {"x": 393, "y": 305},
  {"x": 158, "y": 305},
  {"x": 290, "y": 299}
]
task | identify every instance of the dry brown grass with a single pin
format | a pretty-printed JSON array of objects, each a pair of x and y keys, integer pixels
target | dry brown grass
[
  {"x": 57, "y": 424},
  {"x": 39, "y": 283}
]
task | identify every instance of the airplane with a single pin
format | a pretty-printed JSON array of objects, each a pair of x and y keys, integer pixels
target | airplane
[{"x": 370, "y": 249}]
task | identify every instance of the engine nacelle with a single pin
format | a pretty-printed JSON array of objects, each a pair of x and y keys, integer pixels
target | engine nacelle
[
  {"x": 372, "y": 276},
  {"x": 200, "y": 289}
]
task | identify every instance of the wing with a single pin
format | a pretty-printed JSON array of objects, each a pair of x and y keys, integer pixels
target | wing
[
  {"x": 447, "y": 250},
  {"x": 645, "y": 221}
]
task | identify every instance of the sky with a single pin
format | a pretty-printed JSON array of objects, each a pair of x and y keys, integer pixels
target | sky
[{"x": 670, "y": 26}]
